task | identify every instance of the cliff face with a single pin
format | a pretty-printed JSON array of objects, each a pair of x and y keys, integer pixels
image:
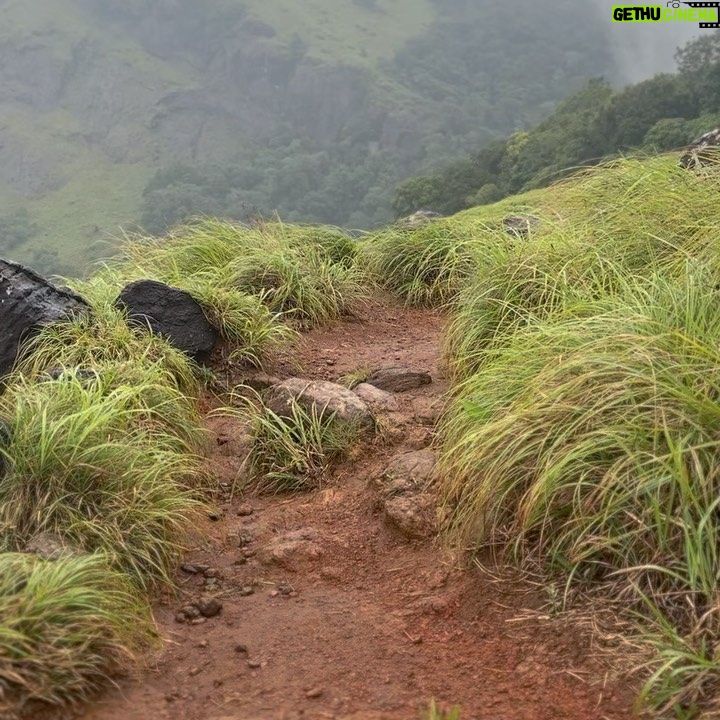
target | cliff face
[{"x": 96, "y": 95}]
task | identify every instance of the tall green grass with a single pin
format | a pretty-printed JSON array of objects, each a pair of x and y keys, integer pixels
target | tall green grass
[
  {"x": 107, "y": 463},
  {"x": 65, "y": 627}
]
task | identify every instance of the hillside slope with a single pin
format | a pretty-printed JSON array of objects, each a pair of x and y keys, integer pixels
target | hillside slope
[{"x": 315, "y": 110}]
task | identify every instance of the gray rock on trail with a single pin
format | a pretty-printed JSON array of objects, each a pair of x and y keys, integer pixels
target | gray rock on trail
[
  {"x": 407, "y": 505},
  {"x": 293, "y": 551},
  {"x": 398, "y": 379},
  {"x": 377, "y": 399},
  {"x": 413, "y": 515},
  {"x": 326, "y": 397},
  {"x": 521, "y": 225},
  {"x": 27, "y": 302},
  {"x": 702, "y": 151},
  {"x": 172, "y": 313}
]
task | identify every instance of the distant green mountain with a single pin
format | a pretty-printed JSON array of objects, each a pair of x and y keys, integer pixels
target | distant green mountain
[{"x": 146, "y": 111}]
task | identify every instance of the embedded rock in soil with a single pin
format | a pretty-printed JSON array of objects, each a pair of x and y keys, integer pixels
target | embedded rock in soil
[
  {"x": 521, "y": 225},
  {"x": 377, "y": 399},
  {"x": 27, "y": 302},
  {"x": 49, "y": 547},
  {"x": 702, "y": 151},
  {"x": 408, "y": 473},
  {"x": 398, "y": 379},
  {"x": 326, "y": 398},
  {"x": 172, "y": 313},
  {"x": 294, "y": 551},
  {"x": 412, "y": 515},
  {"x": 208, "y": 607}
]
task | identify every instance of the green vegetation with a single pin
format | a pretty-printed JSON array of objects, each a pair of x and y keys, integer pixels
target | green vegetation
[
  {"x": 294, "y": 452},
  {"x": 434, "y": 713},
  {"x": 150, "y": 112},
  {"x": 65, "y": 626},
  {"x": 665, "y": 112}
]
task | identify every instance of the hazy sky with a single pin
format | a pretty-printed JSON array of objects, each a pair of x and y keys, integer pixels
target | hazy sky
[{"x": 644, "y": 49}]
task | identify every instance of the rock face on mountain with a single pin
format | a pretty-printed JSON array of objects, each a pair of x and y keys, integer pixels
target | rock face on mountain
[
  {"x": 27, "y": 302},
  {"x": 702, "y": 150},
  {"x": 172, "y": 313}
]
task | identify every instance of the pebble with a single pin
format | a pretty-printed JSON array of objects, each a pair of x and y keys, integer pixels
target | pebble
[
  {"x": 246, "y": 591},
  {"x": 212, "y": 573},
  {"x": 203, "y": 644},
  {"x": 209, "y": 607},
  {"x": 314, "y": 693},
  {"x": 242, "y": 649},
  {"x": 198, "y": 621},
  {"x": 274, "y": 593},
  {"x": 190, "y": 569},
  {"x": 254, "y": 664},
  {"x": 190, "y": 612},
  {"x": 249, "y": 553},
  {"x": 245, "y": 510},
  {"x": 194, "y": 671}
]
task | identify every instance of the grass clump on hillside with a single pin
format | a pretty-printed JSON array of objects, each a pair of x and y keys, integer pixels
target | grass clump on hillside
[
  {"x": 104, "y": 462},
  {"x": 248, "y": 278},
  {"x": 292, "y": 453},
  {"x": 427, "y": 266},
  {"x": 65, "y": 626},
  {"x": 587, "y": 444}
]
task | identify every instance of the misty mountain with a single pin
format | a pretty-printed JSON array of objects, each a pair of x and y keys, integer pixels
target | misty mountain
[{"x": 114, "y": 114}]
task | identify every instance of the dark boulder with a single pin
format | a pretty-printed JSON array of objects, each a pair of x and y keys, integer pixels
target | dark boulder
[
  {"x": 27, "y": 302},
  {"x": 172, "y": 313},
  {"x": 521, "y": 225},
  {"x": 398, "y": 379},
  {"x": 702, "y": 151}
]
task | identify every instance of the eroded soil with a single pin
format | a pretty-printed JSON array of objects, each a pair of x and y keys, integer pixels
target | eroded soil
[{"x": 350, "y": 620}]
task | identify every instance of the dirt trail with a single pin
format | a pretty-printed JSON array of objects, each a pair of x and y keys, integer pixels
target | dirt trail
[{"x": 360, "y": 623}]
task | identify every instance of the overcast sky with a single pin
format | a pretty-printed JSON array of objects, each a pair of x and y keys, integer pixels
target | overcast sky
[{"x": 644, "y": 49}]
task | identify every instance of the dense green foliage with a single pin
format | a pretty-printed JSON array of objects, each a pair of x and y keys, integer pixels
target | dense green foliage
[{"x": 665, "y": 112}]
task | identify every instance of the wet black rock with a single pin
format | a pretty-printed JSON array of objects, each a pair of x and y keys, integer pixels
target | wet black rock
[
  {"x": 27, "y": 302},
  {"x": 172, "y": 313}
]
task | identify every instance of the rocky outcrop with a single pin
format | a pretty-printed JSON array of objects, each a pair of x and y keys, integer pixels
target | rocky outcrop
[
  {"x": 27, "y": 302},
  {"x": 398, "y": 379},
  {"x": 521, "y": 225},
  {"x": 376, "y": 399},
  {"x": 172, "y": 313},
  {"x": 417, "y": 220},
  {"x": 324, "y": 398},
  {"x": 702, "y": 151}
]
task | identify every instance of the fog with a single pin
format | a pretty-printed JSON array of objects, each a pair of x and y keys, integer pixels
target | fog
[{"x": 642, "y": 50}]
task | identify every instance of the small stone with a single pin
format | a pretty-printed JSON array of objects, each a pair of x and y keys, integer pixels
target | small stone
[
  {"x": 254, "y": 664},
  {"x": 198, "y": 621},
  {"x": 249, "y": 553},
  {"x": 246, "y": 591},
  {"x": 203, "y": 644},
  {"x": 284, "y": 589},
  {"x": 314, "y": 693},
  {"x": 294, "y": 594},
  {"x": 274, "y": 593},
  {"x": 194, "y": 671},
  {"x": 180, "y": 617},
  {"x": 241, "y": 649},
  {"x": 212, "y": 573},
  {"x": 190, "y": 612},
  {"x": 209, "y": 607},
  {"x": 215, "y": 515},
  {"x": 189, "y": 569},
  {"x": 245, "y": 510}
]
